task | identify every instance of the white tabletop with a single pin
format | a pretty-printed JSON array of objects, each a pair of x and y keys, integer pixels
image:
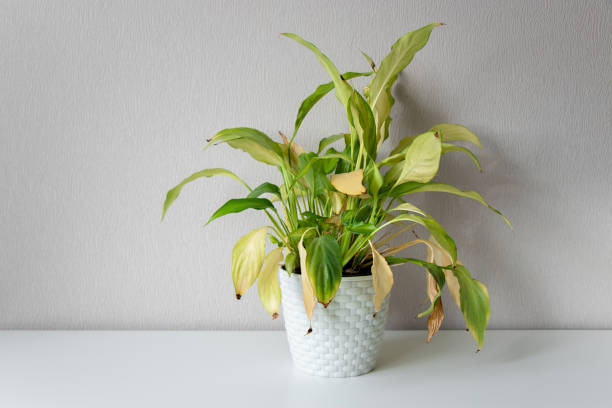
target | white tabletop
[{"x": 254, "y": 369}]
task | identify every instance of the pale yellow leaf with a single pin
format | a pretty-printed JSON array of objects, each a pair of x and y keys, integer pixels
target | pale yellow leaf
[
  {"x": 337, "y": 201},
  {"x": 409, "y": 208},
  {"x": 310, "y": 301},
  {"x": 442, "y": 258},
  {"x": 382, "y": 276},
  {"x": 422, "y": 159},
  {"x": 267, "y": 283},
  {"x": 247, "y": 258},
  {"x": 349, "y": 183}
]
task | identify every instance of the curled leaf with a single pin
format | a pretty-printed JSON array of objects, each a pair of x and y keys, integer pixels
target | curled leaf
[
  {"x": 247, "y": 258},
  {"x": 267, "y": 283},
  {"x": 382, "y": 277},
  {"x": 310, "y": 301},
  {"x": 349, "y": 183}
]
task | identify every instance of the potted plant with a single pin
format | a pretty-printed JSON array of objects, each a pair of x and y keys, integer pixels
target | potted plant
[{"x": 334, "y": 213}]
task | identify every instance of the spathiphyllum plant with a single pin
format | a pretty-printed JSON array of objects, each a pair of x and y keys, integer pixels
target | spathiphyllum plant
[{"x": 334, "y": 212}]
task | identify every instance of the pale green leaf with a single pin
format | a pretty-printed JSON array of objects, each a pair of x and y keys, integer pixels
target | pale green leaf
[
  {"x": 447, "y": 147},
  {"x": 422, "y": 159},
  {"x": 253, "y": 142},
  {"x": 450, "y": 133},
  {"x": 247, "y": 258}
]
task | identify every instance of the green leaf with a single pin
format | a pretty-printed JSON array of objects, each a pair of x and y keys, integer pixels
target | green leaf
[
  {"x": 374, "y": 179},
  {"x": 450, "y": 132},
  {"x": 342, "y": 89},
  {"x": 362, "y": 120},
  {"x": 438, "y": 232},
  {"x": 291, "y": 262},
  {"x": 474, "y": 303},
  {"x": 253, "y": 142},
  {"x": 316, "y": 96},
  {"x": 264, "y": 188},
  {"x": 312, "y": 168},
  {"x": 413, "y": 187},
  {"x": 236, "y": 205},
  {"x": 361, "y": 227},
  {"x": 421, "y": 161},
  {"x": 447, "y": 147},
  {"x": 401, "y": 54},
  {"x": 174, "y": 193},
  {"x": 324, "y": 267},
  {"x": 326, "y": 141},
  {"x": 247, "y": 258}
]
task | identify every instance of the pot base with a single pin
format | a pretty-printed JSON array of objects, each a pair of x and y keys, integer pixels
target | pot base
[{"x": 345, "y": 337}]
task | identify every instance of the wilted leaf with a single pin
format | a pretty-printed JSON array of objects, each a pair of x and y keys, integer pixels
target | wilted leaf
[
  {"x": 434, "y": 321},
  {"x": 409, "y": 208},
  {"x": 267, "y": 283},
  {"x": 449, "y": 133},
  {"x": 382, "y": 276},
  {"x": 253, "y": 142},
  {"x": 174, "y": 193},
  {"x": 247, "y": 258},
  {"x": 310, "y": 300},
  {"x": 447, "y": 147},
  {"x": 324, "y": 267},
  {"x": 474, "y": 303},
  {"x": 349, "y": 183}
]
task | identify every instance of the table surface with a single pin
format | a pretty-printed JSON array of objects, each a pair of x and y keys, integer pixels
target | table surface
[{"x": 222, "y": 369}]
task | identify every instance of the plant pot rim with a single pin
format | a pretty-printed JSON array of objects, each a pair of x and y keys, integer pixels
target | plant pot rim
[{"x": 349, "y": 278}]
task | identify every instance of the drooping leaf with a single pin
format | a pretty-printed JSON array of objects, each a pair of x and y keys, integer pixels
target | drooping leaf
[
  {"x": 413, "y": 187},
  {"x": 263, "y": 189},
  {"x": 434, "y": 227},
  {"x": 342, "y": 89},
  {"x": 267, "y": 283},
  {"x": 450, "y": 132},
  {"x": 447, "y": 147},
  {"x": 253, "y": 142},
  {"x": 310, "y": 300},
  {"x": 401, "y": 54},
  {"x": 474, "y": 303},
  {"x": 326, "y": 141},
  {"x": 442, "y": 258},
  {"x": 320, "y": 92},
  {"x": 247, "y": 258},
  {"x": 434, "y": 321},
  {"x": 173, "y": 194},
  {"x": 422, "y": 159},
  {"x": 236, "y": 205},
  {"x": 382, "y": 277},
  {"x": 349, "y": 183},
  {"x": 407, "y": 207},
  {"x": 324, "y": 267}
]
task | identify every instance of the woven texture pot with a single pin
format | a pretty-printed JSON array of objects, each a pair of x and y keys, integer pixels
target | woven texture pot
[{"x": 345, "y": 336}]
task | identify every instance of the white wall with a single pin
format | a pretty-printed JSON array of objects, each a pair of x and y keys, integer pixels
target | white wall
[{"x": 106, "y": 105}]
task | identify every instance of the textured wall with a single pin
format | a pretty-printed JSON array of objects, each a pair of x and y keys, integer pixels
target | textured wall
[{"x": 106, "y": 105}]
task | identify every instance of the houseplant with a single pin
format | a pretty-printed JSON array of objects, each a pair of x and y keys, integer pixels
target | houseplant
[{"x": 335, "y": 212}]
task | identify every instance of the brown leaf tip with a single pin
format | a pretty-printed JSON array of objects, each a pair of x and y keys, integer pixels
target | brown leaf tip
[
  {"x": 374, "y": 315},
  {"x": 238, "y": 296},
  {"x": 274, "y": 315},
  {"x": 477, "y": 351},
  {"x": 326, "y": 304},
  {"x": 436, "y": 134},
  {"x": 309, "y": 331}
]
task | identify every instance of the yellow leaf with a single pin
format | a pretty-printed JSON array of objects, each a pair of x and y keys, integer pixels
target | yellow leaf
[
  {"x": 337, "y": 201},
  {"x": 422, "y": 159},
  {"x": 349, "y": 183},
  {"x": 247, "y": 258},
  {"x": 310, "y": 301},
  {"x": 267, "y": 283},
  {"x": 434, "y": 321},
  {"x": 382, "y": 276},
  {"x": 442, "y": 258}
]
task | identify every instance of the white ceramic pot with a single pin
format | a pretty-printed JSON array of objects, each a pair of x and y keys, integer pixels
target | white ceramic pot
[{"x": 345, "y": 336}]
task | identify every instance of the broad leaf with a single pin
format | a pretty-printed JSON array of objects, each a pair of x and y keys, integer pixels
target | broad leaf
[
  {"x": 401, "y": 54},
  {"x": 449, "y": 133},
  {"x": 422, "y": 159},
  {"x": 447, "y": 147},
  {"x": 474, "y": 303},
  {"x": 247, "y": 258},
  {"x": 236, "y": 205},
  {"x": 174, "y": 193},
  {"x": 252, "y": 141},
  {"x": 267, "y": 283},
  {"x": 413, "y": 187},
  {"x": 316, "y": 96},
  {"x": 263, "y": 189},
  {"x": 342, "y": 89},
  {"x": 382, "y": 277},
  {"x": 324, "y": 267},
  {"x": 349, "y": 183}
]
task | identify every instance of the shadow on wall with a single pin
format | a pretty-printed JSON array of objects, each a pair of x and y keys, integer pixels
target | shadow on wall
[{"x": 480, "y": 235}]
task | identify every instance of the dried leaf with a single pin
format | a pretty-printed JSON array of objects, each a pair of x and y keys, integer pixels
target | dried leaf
[
  {"x": 310, "y": 301},
  {"x": 382, "y": 276},
  {"x": 349, "y": 183}
]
